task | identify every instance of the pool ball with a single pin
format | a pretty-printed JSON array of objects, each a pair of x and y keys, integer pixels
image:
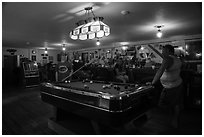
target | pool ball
[
  {"x": 65, "y": 81},
  {"x": 83, "y": 81},
  {"x": 91, "y": 82},
  {"x": 126, "y": 87},
  {"x": 104, "y": 86},
  {"x": 136, "y": 85},
  {"x": 108, "y": 86},
  {"x": 69, "y": 81}
]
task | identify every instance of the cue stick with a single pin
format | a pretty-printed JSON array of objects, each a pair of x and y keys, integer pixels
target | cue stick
[
  {"x": 79, "y": 69},
  {"x": 158, "y": 53}
]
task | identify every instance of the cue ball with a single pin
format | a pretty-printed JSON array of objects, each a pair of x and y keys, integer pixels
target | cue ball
[
  {"x": 91, "y": 82},
  {"x": 66, "y": 81}
]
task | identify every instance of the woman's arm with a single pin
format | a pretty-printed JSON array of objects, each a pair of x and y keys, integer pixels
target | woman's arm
[{"x": 164, "y": 65}]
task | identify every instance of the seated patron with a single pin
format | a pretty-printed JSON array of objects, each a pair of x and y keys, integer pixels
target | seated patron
[
  {"x": 120, "y": 73},
  {"x": 82, "y": 73},
  {"x": 149, "y": 63},
  {"x": 101, "y": 61}
]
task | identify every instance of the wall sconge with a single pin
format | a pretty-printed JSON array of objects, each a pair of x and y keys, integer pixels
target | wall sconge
[
  {"x": 159, "y": 33},
  {"x": 33, "y": 52},
  {"x": 45, "y": 50}
]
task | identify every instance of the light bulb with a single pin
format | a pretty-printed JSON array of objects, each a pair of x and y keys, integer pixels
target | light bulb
[
  {"x": 124, "y": 47},
  {"x": 98, "y": 43},
  {"x": 45, "y": 50},
  {"x": 159, "y": 34}
]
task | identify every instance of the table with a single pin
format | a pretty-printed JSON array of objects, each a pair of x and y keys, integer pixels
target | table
[
  {"x": 112, "y": 104},
  {"x": 141, "y": 75}
]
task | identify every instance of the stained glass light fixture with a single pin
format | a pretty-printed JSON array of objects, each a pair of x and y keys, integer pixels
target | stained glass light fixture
[{"x": 90, "y": 28}]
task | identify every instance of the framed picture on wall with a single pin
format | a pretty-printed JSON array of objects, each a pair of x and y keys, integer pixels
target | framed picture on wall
[{"x": 50, "y": 58}]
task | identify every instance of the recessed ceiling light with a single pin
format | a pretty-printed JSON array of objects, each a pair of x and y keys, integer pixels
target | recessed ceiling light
[{"x": 125, "y": 12}]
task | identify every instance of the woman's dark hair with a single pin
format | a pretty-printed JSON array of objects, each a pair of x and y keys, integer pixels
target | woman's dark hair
[{"x": 169, "y": 47}]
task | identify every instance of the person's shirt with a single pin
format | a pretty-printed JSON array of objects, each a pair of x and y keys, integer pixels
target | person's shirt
[
  {"x": 77, "y": 65},
  {"x": 171, "y": 76},
  {"x": 118, "y": 69},
  {"x": 101, "y": 62}
]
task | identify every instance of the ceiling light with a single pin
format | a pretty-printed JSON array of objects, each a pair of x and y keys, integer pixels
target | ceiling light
[
  {"x": 45, "y": 50},
  {"x": 124, "y": 43},
  {"x": 90, "y": 28},
  {"x": 98, "y": 42},
  {"x": 159, "y": 33},
  {"x": 63, "y": 47},
  {"x": 125, "y": 12}
]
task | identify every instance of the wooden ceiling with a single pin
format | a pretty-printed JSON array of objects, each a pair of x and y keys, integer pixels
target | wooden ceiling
[{"x": 47, "y": 24}]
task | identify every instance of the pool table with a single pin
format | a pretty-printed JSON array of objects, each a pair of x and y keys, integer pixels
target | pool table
[{"x": 104, "y": 102}]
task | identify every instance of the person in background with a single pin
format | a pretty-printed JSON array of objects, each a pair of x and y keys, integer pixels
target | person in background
[
  {"x": 82, "y": 73},
  {"x": 149, "y": 62},
  {"x": 51, "y": 71},
  {"x": 120, "y": 71},
  {"x": 169, "y": 76},
  {"x": 101, "y": 61}
]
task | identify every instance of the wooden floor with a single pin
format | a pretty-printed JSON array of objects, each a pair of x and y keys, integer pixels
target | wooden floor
[{"x": 23, "y": 113}]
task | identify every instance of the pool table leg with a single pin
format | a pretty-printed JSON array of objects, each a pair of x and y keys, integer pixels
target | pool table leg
[
  {"x": 96, "y": 127},
  {"x": 58, "y": 114}
]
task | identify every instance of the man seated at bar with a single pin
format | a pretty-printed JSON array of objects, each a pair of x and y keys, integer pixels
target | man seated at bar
[{"x": 120, "y": 72}]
